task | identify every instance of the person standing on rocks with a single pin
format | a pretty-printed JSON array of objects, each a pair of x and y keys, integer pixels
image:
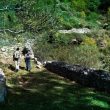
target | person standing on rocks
[{"x": 16, "y": 59}]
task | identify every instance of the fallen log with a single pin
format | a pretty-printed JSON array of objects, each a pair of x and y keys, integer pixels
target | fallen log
[{"x": 89, "y": 77}]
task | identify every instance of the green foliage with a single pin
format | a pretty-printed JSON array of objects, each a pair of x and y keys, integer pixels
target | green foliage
[
  {"x": 106, "y": 62},
  {"x": 93, "y": 5},
  {"x": 39, "y": 16},
  {"x": 93, "y": 16},
  {"x": 79, "y": 5},
  {"x": 82, "y": 14},
  {"x": 108, "y": 14},
  {"x": 62, "y": 39},
  {"x": 86, "y": 55},
  {"x": 92, "y": 19},
  {"x": 105, "y": 58},
  {"x": 89, "y": 41}
]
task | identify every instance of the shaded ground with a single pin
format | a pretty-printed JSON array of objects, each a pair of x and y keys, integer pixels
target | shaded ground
[{"x": 42, "y": 90}]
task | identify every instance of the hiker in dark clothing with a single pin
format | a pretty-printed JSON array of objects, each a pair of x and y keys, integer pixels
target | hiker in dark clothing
[
  {"x": 25, "y": 51},
  {"x": 28, "y": 60}
]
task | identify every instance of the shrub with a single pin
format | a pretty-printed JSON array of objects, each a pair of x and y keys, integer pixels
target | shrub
[
  {"x": 86, "y": 55},
  {"x": 106, "y": 62},
  {"x": 62, "y": 39},
  {"x": 89, "y": 41},
  {"x": 108, "y": 14},
  {"x": 79, "y": 5},
  {"x": 93, "y": 5},
  {"x": 105, "y": 58},
  {"x": 92, "y": 20},
  {"x": 82, "y": 14},
  {"x": 93, "y": 16}
]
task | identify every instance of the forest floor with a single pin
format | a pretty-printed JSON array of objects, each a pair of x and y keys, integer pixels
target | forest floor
[{"x": 43, "y": 90}]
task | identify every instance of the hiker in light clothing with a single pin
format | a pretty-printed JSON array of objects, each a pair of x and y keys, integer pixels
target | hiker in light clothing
[{"x": 16, "y": 58}]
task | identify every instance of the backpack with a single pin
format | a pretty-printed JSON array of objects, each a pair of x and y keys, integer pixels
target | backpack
[{"x": 24, "y": 51}]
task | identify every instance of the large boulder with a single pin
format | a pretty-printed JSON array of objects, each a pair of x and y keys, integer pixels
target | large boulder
[
  {"x": 3, "y": 91},
  {"x": 98, "y": 79}
]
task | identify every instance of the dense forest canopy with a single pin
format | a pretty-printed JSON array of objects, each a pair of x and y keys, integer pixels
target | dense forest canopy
[{"x": 37, "y": 15}]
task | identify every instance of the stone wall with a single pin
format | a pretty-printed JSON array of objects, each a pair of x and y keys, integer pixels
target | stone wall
[{"x": 98, "y": 79}]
